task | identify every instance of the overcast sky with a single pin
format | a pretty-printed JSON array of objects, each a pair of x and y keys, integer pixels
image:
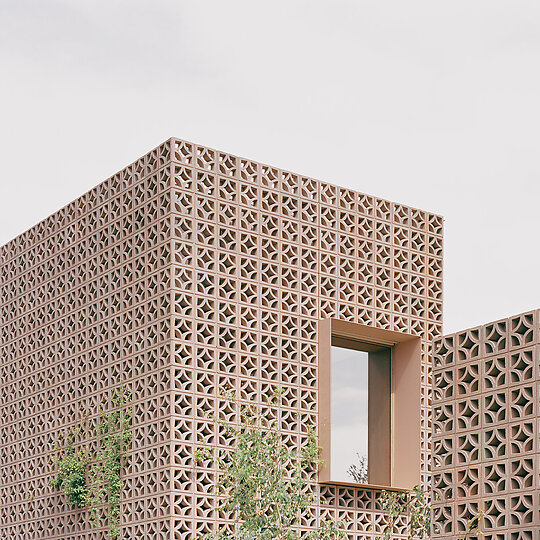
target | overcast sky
[{"x": 433, "y": 104}]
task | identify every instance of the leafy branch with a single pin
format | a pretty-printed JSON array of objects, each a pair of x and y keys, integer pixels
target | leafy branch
[
  {"x": 263, "y": 483},
  {"x": 359, "y": 471},
  {"x": 416, "y": 505},
  {"x": 92, "y": 478}
]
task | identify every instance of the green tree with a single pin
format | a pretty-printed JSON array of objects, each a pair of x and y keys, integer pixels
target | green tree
[
  {"x": 416, "y": 505},
  {"x": 92, "y": 478},
  {"x": 264, "y": 485}
]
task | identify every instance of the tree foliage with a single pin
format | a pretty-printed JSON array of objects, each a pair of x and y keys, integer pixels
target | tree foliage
[
  {"x": 416, "y": 505},
  {"x": 359, "y": 471},
  {"x": 265, "y": 486},
  {"x": 92, "y": 479},
  {"x": 71, "y": 466}
]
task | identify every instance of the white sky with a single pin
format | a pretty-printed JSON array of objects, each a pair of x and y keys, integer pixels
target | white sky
[{"x": 433, "y": 104}]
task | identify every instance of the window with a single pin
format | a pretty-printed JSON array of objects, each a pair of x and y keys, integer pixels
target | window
[
  {"x": 369, "y": 405},
  {"x": 360, "y": 412}
]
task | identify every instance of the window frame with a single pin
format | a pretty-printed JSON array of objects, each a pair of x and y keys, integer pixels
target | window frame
[{"x": 405, "y": 399}]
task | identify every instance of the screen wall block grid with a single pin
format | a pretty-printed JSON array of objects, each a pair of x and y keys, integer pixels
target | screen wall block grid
[
  {"x": 485, "y": 429},
  {"x": 189, "y": 272}
]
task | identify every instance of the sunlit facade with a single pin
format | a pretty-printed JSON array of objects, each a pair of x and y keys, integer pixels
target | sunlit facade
[{"x": 189, "y": 272}]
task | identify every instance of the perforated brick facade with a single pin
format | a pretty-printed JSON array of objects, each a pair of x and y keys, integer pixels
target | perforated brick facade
[
  {"x": 485, "y": 429},
  {"x": 189, "y": 272}
]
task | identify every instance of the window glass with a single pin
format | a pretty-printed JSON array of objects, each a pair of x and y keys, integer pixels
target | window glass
[{"x": 349, "y": 415}]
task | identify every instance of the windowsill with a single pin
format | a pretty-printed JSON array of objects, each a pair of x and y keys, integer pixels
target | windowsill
[{"x": 373, "y": 487}]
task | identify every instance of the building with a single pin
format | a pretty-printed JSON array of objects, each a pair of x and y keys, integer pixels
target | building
[
  {"x": 486, "y": 429},
  {"x": 191, "y": 271}
]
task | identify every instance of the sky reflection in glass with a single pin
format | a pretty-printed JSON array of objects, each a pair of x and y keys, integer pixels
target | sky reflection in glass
[{"x": 349, "y": 417}]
